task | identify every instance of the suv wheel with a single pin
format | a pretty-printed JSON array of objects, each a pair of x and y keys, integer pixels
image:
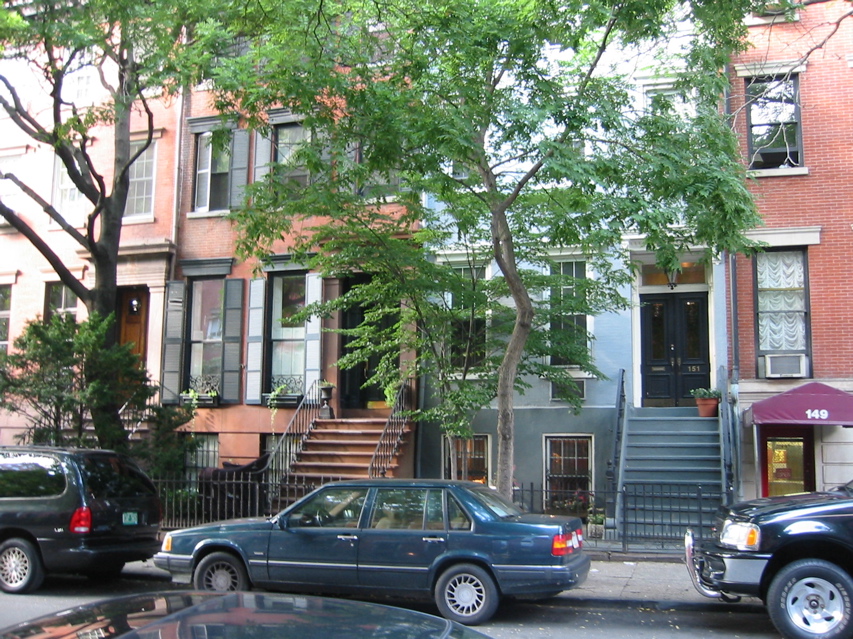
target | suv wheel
[
  {"x": 811, "y": 598},
  {"x": 467, "y": 594},
  {"x": 20, "y": 566},
  {"x": 221, "y": 572}
]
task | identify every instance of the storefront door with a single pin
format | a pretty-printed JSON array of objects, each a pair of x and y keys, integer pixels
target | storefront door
[{"x": 787, "y": 460}]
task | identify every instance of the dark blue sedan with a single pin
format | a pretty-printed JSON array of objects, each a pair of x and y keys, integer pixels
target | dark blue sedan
[{"x": 460, "y": 543}]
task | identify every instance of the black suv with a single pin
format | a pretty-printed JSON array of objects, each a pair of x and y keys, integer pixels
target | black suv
[
  {"x": 794, "y": 552},
  {"x": 72, "y": 510}
]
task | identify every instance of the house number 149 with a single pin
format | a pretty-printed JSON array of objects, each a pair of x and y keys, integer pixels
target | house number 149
[{"x": 814, "y": 413}]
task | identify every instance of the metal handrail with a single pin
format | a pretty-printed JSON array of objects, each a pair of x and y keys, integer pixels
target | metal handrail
[{"x": 392, "y": 434}]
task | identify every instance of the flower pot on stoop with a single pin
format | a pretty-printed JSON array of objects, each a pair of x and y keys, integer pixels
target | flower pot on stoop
[{"x": 708, "y": 406}]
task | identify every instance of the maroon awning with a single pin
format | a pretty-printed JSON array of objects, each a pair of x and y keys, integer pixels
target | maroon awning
[{"x": 812, "y": 403}]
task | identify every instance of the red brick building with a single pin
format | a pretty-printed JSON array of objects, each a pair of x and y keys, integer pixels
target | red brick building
[{"x": 790, "y": 100}]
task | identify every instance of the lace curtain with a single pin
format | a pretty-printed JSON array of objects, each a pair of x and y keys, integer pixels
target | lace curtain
[{"x": 781, "y": 301}]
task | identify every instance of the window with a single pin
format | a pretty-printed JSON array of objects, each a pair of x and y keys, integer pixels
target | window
[
  {"x": 568, "y": 327},
  {"x": 207, "y": 314},
  {"x": 472, "y": 458},
  {"x": 468, "y": 332},
  {"x": 202, "y": 334},
  {"x": 332, "y": 508},
  {"x": 288, "y": 139},
  {"x": 212, "y": 169},
  {"x": 140, "y": 195},
  {"x": 204, "y": 455},
  {"x": 59, "y": 299},
  {"x": 773, "y": 120},
  {"x": 399, "y": 508},
  {"x": 568, "y": 472},
  {"x": 287, "y": 338},
  {"x": 5, "y": 314},
  {"x": 782, "y": 304},
  {"x": 10, "y": 194},
  {"x": 67, "y": 199}
]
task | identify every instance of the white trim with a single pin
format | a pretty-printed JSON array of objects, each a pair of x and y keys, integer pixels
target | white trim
[
  {"x": 770, "y": 67},
  {"x": 789, "y": 236},
  {"x": 784, "y": 171},
  {"x": 9, "y": 277},
  {"x": 756, "y": 20}
]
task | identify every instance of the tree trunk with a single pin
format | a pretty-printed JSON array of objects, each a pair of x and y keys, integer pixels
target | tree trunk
[{"x": 504, "y": 253}]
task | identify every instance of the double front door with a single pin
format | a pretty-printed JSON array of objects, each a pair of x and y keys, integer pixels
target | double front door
[{"x": 675, "y": 348}]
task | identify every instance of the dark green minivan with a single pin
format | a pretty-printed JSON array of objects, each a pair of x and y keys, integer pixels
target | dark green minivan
[{"x": 72, "y": 511}]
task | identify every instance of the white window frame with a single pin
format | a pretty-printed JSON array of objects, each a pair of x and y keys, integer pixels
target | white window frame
[{"x": 142, "y": 174}]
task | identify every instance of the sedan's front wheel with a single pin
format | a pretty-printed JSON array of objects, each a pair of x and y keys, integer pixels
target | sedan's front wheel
[
  {"x": 221, "y": 572},
  {"x": 467, "y": 594},
  {"x": 811, "y": 598}
]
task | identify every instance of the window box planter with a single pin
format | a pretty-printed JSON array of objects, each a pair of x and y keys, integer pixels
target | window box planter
[
  {"x": 285, "y": 400},
  {"x": 202, "y": 400}
]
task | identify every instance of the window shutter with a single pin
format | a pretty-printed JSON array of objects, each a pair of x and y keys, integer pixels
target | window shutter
[
  {"x": 313, "y": 330},
  {"x": 239, "y": 167},
  {"x": 231, "y": 336},
  {"x": 255, "y": 341},
  {"x": 172, "y": 374},
  {"x": 263, "y": 156}
]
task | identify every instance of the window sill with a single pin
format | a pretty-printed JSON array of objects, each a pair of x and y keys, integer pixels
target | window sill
[
  {"x": 788, "y": 172},
  {"x": 201, "y": 214},
  {"x": 202, "y": 400},
  {"x": 137, "y": 219}
]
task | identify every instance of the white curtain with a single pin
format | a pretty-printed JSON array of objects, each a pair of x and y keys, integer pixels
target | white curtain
[{"x": 781, "y": 301}]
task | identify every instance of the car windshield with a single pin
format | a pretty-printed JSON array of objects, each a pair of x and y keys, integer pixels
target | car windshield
[{"x": 496, "y": 503}]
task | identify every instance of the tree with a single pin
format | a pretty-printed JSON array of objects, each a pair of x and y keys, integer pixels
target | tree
[
  {"x": 135, "y": 52},
  {"x": 520, "y": 117}
]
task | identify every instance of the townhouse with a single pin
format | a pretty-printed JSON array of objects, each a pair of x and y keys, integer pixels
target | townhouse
[{"x": 791, "y": 352}]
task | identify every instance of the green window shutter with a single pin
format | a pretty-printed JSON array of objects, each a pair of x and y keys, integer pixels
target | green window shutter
[
  {"x": 172, "y": 374},
  {"x": 231, "y": 338},
  {"x": 313, "y": 330},
  {"x": 239, "y": 167},
  {"x": 255, "y": 341}
]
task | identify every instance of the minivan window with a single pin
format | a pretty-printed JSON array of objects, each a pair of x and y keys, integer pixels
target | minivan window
[
  {"x": 30, "y": 475},
  {"x": 107, "y": 477}
]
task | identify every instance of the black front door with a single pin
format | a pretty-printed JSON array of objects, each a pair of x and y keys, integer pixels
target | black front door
[
  {"x": 354, "y": 391},
  {"x": 675, "y": 347}
]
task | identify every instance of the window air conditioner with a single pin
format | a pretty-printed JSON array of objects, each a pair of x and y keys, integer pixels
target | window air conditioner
[{"x": 785, "y": 366}]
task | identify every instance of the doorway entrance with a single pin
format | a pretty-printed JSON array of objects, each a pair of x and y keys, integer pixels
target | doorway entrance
[
  {"x": 787, "y": 460},
  {"x": 133, "y": 320},
  {"x": 675, "y": 349},
  {"x": 354, "y": 392}
]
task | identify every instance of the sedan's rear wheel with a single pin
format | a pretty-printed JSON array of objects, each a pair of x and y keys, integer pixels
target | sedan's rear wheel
[
  {"x": 221, "y": 572},
  {"x": 811, "y": 598},
  {"x": 467, "y": 594},
  {"x": 20, "y": 566}
]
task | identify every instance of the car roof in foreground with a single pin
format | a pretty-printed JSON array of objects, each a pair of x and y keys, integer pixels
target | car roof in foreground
[
  {"x": 238, "y": 615},
  {"x": 407, "y": 483}
]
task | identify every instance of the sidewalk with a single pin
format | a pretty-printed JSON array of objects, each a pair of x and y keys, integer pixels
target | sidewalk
[{"x": 630, "y": 579}]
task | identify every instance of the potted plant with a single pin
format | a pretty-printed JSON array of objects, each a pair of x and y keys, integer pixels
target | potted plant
[
  {"x": 595, "y": 525},
  {"x": 707, "y": 401}
]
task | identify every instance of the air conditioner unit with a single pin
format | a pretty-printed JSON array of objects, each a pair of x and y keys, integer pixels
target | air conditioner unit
[{"x": 785, "y": 366}]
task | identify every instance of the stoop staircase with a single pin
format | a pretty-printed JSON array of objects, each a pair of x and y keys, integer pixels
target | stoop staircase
[
  {"x": 340, "y": 448},
  {"x": 672, "y": 472}
]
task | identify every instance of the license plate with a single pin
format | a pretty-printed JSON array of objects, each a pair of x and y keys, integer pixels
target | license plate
[{"x": 130, "y": 519}]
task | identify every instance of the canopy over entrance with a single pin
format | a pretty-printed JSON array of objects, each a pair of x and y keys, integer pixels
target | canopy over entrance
[{"x": 812, "y": 403}]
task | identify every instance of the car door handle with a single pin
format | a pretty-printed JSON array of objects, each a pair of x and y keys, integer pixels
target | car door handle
[
  {"x": 433, "y": 540},
  {"x": 351, "y": 538}
]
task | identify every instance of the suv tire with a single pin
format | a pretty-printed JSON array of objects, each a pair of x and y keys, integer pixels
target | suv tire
[
  {"x": 20, "y": 566},
  {"x": 811, "y": 598}
]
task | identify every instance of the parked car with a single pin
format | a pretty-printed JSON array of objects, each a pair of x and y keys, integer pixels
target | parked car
[
  {"x": 237, "y": 615},
  {"x": 793, "y": 552},
  {"x": 72, "y": 510},
  {"x": 460, "y": 543}
]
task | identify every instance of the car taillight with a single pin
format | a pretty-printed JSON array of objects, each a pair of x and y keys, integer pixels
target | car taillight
[
  {"x": 81, "y": 521},
  {"x": 566, "y": 544}
]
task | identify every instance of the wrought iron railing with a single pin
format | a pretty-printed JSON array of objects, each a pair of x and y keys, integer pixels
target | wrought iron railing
[{"x": 392, "y": 434}]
